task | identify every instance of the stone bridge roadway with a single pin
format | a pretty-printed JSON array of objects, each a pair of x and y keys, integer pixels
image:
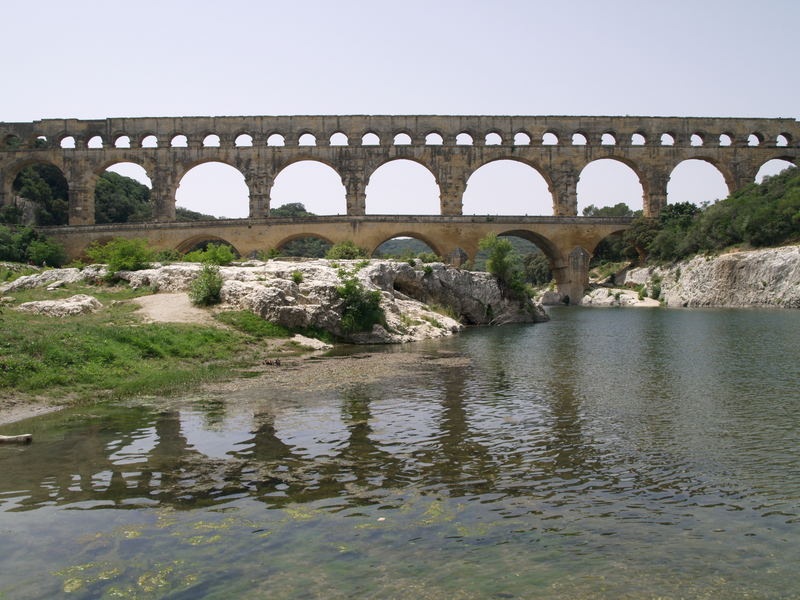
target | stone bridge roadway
[{"x": 568, "y": 242}]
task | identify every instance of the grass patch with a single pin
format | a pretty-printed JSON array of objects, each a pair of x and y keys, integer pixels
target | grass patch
[
  {"x": 110, "y": 353},
  {"x": 253, "y": 325}
]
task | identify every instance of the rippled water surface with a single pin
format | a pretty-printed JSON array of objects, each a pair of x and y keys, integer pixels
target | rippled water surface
[{"x": 609, "y": 453}]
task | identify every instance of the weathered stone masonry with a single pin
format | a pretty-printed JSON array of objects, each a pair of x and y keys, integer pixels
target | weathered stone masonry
[
  {"x": 635, "y": 141},
  {"x": 737, "y": 147}
]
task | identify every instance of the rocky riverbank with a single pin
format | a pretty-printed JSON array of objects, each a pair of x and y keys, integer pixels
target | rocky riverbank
[
  {"x": 769, "y": 277},
  {"x": 419, "y": 301}
]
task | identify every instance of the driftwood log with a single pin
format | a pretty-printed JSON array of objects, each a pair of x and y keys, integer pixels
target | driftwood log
[{"x": 25, "y": 438}]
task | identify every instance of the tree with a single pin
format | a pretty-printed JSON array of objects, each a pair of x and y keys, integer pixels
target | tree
[
  {"x": 120, "y": 199},
  {"x": 46, "y": 186},
  {"x": 504, "y": 263},
  {"x": 618, "y": 210},
  {"x": 346, "y": 250}
]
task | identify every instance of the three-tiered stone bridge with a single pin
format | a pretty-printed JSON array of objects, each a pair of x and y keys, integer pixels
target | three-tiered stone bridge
[{"x": 451, "y": 147}]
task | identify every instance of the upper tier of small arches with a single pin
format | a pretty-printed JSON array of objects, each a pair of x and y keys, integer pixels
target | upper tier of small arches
[{"x": 202, "y": 132}]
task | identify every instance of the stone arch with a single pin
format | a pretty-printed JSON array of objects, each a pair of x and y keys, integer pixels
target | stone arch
[
  {"x": 551, "y": 138},
  {"x": 276, "y": 138},
  {"x": 383, "y": 194},
  {"x": 544, "y": 175},
  {"x": 679, "y": 191},
  {"x": 61, "y": 212},
  {"x": 243, "y": 139},
  {"x": 67, "y": 141},
  {"x": 301, "y": 235},
  {"x": 189, "y": 244},
  {"x": 95, "y": 141},
  {"x": 544, "y": 244},
  {"x": 409, "y": 234},
  {"x": 206, "y": 187},
  {"x": 329, "y": 197},
  {"x": 631, "y": 165},
  {"x": 773, "y": 166},
  {"x": 144, "y": 137},
  {"x": 369, "y": 137},
  {"x": 434, "y": 138},
  {"x": 121, "y": 140},
  {"x": 133, "y": 173}
]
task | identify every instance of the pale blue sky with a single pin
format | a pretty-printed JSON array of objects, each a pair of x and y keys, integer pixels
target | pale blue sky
[{"x": 91, "y": 59}]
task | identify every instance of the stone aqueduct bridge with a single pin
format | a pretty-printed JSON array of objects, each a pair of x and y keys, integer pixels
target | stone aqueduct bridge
[{"x": 451, "y": 147}]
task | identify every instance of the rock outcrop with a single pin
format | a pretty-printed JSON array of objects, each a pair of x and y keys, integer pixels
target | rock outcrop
[
  {"x": 419, "y": 301},
  {"x": 769, "y": 277},
  {"x": 74, "y": 305}
]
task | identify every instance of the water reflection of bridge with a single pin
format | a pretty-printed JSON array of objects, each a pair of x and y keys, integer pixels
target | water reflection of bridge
[{"x": 135, "y": 458}]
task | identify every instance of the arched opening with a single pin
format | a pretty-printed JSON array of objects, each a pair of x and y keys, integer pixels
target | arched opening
[
  {"x": 782, "y": 140},
  {"x": 338, "y": 139},
  {"x": 215, "y": 189},
  {"x": 532, "y": 253},
  {"x": 179, "y": 141},
  {"x": 403, "y": 247},
  {"x": 45, "y": 196},
  {"x": 402, "y": 187},
  {"x": 696, "y": 181},
  {"x": 549, "y": 139},
  {"x": 608, "y": 139},
  {"x": 464, "y": 139},
  {"x": 149, "y": 141},
  {"x": 433, "y": 139},
  {"x": 610, "y": 255},
  {"x": 755, "y": 139},
  {"x": 370, "y": 139},
  {"x": 122, "y": 141},
  {"x": 122, "y": 195},
  {"x": 402, "y": 139},
  {"x": 637, "y": 139},
  {"x": 67, "y": 142},
  {"x": 307, "y": 246},
  {"x": 667, "y": 139},
  {"x": 725, "y": 139},
  {"x": 507, "y": 187},
  {"x": 607, "y": 183},
  {"x": 313, "y": 184},
  {"x": 95, "y": 142},
  {"x": 522, "y": 139},
  {"x": 41, "y": 142},
  {"x": 202, "y": 241},
  {"x": 307, "y": 139},
  {"x": 493, "y": 139},
  {"x": 773, "y": 167},
  {"x": 12, "y": 142},
  {"x": 696, "y": 140},
  {"x": 578, "y": 139},
  {"x": 243, "y": 140},
  {"x": 211, "y": 141},
  {"x": 276, "y": 139}
]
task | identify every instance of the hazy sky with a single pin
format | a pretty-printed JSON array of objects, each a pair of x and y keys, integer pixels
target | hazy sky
[{"x": 91, "y": 59}]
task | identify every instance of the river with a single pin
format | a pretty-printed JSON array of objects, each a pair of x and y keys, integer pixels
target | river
[{"x": 608, "y": 453}]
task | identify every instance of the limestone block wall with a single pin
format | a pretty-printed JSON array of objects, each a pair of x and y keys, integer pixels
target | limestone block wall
[{"x": 451, "y": 147}]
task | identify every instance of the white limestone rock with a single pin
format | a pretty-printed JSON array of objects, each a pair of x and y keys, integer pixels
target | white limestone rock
[
  {"x": 768, "y": 277},
  {"x": 74, "y": 305}
]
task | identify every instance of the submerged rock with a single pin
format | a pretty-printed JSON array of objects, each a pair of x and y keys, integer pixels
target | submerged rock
[{"x": 74, "y": 305}]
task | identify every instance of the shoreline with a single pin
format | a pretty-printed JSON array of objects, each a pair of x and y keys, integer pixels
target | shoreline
[{"x": 315, "y": 372}]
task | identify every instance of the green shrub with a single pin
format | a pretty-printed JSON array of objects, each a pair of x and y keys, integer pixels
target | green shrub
[
  {"x": 121, "y": 254},
  {"x": 167, "y": 256},
  {"x": 297, "y": 277},
  {"x": 206, "y": 287},
  {"x": 504, "y": 263},
  {"x": 427, "y": 270},
  {"x": 361, "y": 308},
  {"x": 346, "y": 250},
  {"x": 213, "y": 254},
  {"x": 47, "y": 253},
  {"x": 429, "y": 257},
  {"x": 655, "y": 287}
]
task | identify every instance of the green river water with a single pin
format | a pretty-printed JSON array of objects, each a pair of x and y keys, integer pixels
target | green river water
[{"x": 608, "y": 453}]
